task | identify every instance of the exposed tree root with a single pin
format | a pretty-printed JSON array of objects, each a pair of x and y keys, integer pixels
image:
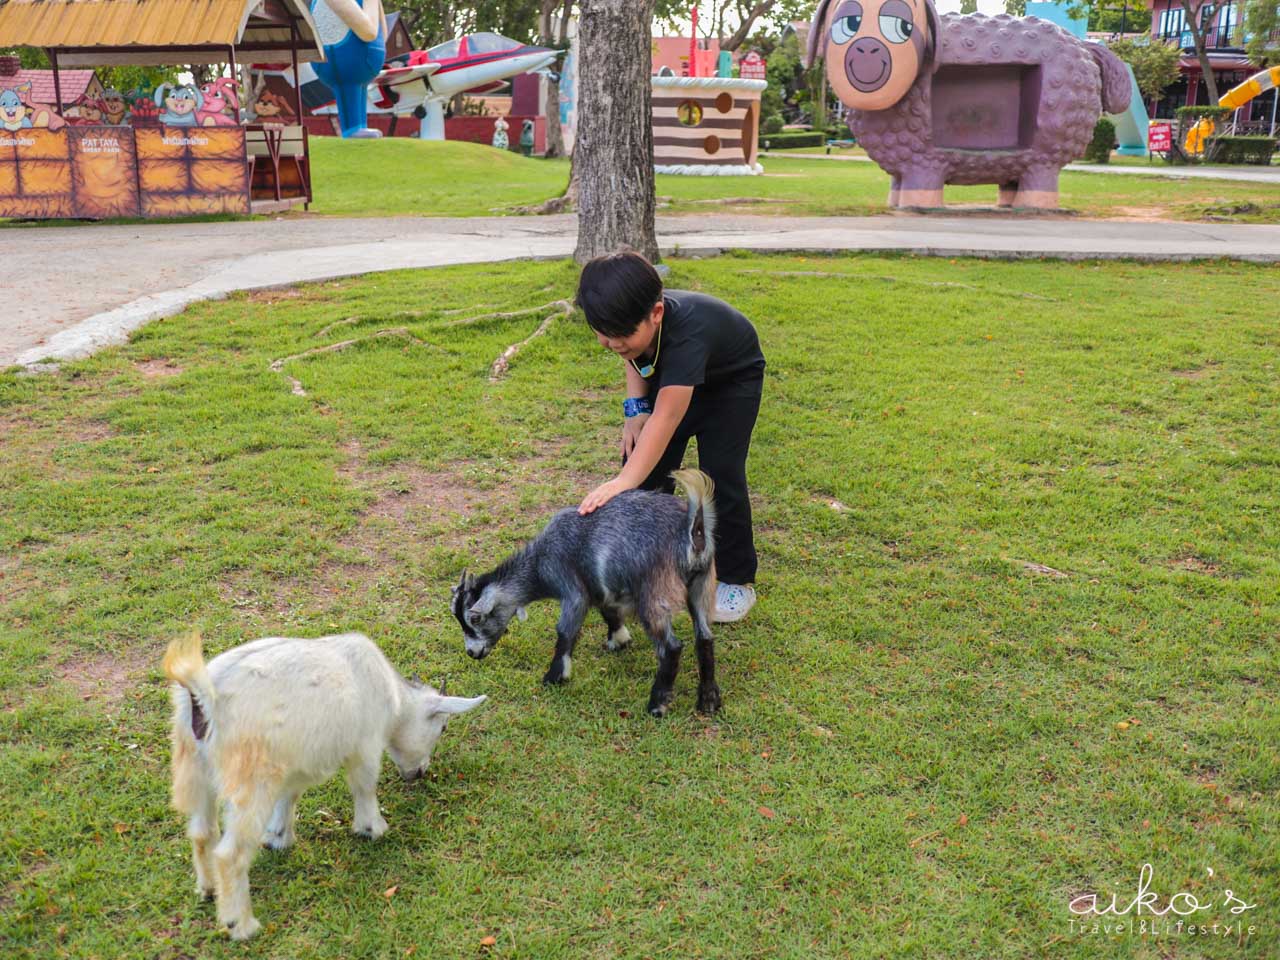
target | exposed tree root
[
  {"x": 501, "y": 365},
  {"x": 277, "y": 366},
  {"x": 468, "y": 321}
]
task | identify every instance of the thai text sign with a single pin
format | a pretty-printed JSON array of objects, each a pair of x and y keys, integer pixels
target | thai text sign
[
  {"x": 1160, "y": 137},
  {"x": 752, "y": 66}
]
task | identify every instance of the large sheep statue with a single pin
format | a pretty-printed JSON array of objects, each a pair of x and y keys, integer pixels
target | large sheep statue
[{"x": 965, "y": 99}]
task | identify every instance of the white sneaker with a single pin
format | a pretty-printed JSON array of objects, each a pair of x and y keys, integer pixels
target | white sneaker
[{"x": 733, "y": 601}]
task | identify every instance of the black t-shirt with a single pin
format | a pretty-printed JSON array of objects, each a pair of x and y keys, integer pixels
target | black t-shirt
[{"x": 705, "y": 343}]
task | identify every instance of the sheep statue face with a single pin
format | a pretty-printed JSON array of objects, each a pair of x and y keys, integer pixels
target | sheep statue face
[
  {"x": 874, "y": 49},
  {"x": 965, "y": 99}
]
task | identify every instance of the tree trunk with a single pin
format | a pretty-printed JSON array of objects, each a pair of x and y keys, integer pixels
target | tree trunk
[
  {"x": 744, "y": 28},
  {"x": 1195, "y": 24},
  {"x": 613, "y": 152}
]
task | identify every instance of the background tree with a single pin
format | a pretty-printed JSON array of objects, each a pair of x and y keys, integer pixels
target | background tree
[
  {"x": 1262, "y": 26},
  {"x": 731, "y": 21},
  {"x": 1199, "y": 13},
  {"x": 613, "y": 151},
  {"x": 1155, "y": 64},
  {"x": 553, "y": 31}
]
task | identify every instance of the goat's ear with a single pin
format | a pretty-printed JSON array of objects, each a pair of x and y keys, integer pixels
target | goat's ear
[
  {"x": 456, "y": 705},
  {"x": 522, "y": 614},
  {"x": 486, "y": 602},
  {"x": 462, "y": 584}
]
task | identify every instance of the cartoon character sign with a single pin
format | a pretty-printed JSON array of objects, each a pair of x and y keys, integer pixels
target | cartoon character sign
[
  {"x": 273, "y": 108},
  {"x": 19, "y": 112},
  {"x": 354, "y": 36},
  {"x": 895, "y": 42},
  {"x": 178, "y": 104},
  {"x": 221, "y": 104},
  {"x": 88, "y": 112},
  {"x": 114, "y": 109}
]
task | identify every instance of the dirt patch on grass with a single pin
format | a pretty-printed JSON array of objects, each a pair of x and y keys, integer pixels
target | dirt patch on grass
[
  {"x": 107, "y": 677},
  {"x": 1198, "y": 373},
  {"x": 275, "y": 295},
  {"x": 157, "y": 369},
  {"x": 90, "y": 431},
  {"x": 1143, "y": 214},
  {"x": 12, "y": 425},
  {"x": 1197, "y": 564}
]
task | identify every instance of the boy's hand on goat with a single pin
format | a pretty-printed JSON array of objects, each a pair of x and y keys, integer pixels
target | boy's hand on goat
[
  {"x": 631, "y": 428},
  {"x": 601, "y": 495}
]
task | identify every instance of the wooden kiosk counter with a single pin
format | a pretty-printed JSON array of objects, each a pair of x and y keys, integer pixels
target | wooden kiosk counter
[{"x": 50, "y": 168}]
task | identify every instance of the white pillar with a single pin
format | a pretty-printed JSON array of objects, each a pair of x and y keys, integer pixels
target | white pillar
[{"x": 432, "y": 125}]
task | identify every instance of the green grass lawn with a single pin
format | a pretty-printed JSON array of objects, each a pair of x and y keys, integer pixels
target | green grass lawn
[
  {"x": 1017, "y": 635},
  {"x": 464, "y": 179}
]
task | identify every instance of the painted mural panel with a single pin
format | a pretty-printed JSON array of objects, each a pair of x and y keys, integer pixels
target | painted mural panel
[
  {"x": 185, "y": 171},
  {"x": 102, "y": 172},
  {"x": 35, "y": 174}
]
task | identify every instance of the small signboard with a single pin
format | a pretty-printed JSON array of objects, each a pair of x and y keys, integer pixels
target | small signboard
[
  {"x": 752, "y": 66},
  {"x": 1160, "y": 137}
]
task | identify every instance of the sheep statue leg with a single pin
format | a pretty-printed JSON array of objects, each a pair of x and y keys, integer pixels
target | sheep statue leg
[
  {"x": 1038, "y": 189},
  {"x": 895, "y": 190},
  {"x": 921, "y": 188},
  {"x": 1008, "y": 194}
]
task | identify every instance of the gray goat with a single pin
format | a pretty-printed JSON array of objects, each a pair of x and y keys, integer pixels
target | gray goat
[{"x": 644, "y": 553}]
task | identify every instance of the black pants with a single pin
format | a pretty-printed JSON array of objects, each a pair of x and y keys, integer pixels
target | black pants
[{"x": 722, "y": 419}]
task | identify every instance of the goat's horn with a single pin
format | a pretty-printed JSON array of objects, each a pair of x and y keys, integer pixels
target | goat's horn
[
  {"x": 444, "y": 681},
  {"x": 415, "y": 679}
]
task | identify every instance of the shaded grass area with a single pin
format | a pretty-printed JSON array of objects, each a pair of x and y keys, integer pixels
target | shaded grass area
[{"x": 1017, "y": 634}]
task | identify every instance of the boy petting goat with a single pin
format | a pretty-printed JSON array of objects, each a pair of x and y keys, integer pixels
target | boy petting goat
[
  {"x": 641, "y": 552},
  {"x": 266, "y": 720}
]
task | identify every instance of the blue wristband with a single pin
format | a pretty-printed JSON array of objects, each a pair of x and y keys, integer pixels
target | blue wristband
[{"x": 634, "y": 406}]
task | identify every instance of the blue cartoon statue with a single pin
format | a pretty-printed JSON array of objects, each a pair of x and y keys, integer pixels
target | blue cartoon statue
[
  {"x": 354, "y": 34},
  {"x": 178, "y": 104}
]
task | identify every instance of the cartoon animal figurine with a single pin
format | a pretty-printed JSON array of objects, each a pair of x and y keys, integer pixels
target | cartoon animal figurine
[
  {"x": 354, "y": 36},
  {"x": 500, "y": 138},
  {"x": 180, "y": 104},
  {"x": 88, "y": 111},
  {"x": 114, "y": 109},
  {"x": 19, "y": 112},
  {"x": 221, "y": 104},
  {"x": 965, "y": 99},
  {"x": 273, "y": 108},
  {"x": 526, "y": 138}
]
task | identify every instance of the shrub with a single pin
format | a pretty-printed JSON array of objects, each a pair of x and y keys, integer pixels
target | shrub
[
  {"x": 1255, "y": 150},
  {"x": 1104, "y": 140},
  {"x": 781, "y": 141},
  {"x": 772, "y": 123}
]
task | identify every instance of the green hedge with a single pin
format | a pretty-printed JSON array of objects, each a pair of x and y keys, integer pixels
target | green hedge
[
  {"x": 1245, "y": 150},
  {"x": 1104, "y": 140},
  {"x": 781, "y": 141},
  {"x": 1196, "y": 113}
]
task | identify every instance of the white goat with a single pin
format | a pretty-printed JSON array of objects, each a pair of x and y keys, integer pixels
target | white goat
[{"x": 268, "y": 719}]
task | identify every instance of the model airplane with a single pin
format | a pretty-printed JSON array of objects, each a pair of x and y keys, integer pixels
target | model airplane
[{"x": 422, "y": 82}]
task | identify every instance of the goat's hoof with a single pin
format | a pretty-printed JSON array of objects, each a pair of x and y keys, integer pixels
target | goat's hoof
[
  {"x": 243, "y": 929},
  {"x": 276, "y": 841},
  {"x": 371, "y": 831},
  {"x": 553, "y": 678},
  {"x": 204, "y": 894},
  {"x": 709, "y": 701},
  {"x": 659, "y": 708}
]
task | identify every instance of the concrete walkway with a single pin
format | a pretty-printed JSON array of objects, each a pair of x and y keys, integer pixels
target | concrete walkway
[
  {"x": 88, "y": 287},
  {"x": 1268, "y": 175}
]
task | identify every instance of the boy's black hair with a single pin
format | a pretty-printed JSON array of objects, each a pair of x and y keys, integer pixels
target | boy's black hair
[{"x": 617, "y": 291}]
